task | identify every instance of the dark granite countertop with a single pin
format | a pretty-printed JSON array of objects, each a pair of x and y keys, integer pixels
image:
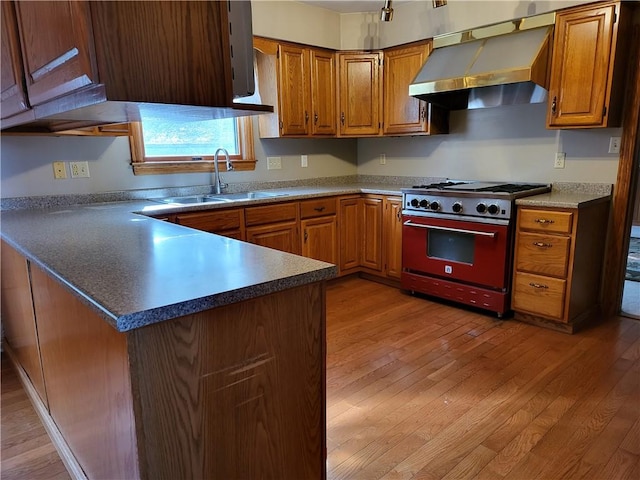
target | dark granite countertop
[{"x": 135, "y": 270}]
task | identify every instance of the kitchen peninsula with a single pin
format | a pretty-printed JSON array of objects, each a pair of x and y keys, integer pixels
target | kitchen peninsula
[{"x": 158, "y": 351}]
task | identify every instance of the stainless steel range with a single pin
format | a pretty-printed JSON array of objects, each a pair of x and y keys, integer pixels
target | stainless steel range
[{"x": 457, "y": 240}]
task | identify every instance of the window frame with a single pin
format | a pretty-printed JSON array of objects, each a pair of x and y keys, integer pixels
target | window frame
[{"x": 143, "y": 165}]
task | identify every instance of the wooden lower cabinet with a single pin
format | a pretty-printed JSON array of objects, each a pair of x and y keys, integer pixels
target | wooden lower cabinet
[
  {"x": 18, "y": 318},
  {"x": 319, "y": 228},
  {"x": 281, "y": 236},
  {"x": 370, "y": 231},
  {"x": 558, "y": 264},
  {"x": 371, "y": 234},
  {"x": 237, "y": 391},
  {"x": 392, "y": 237},
  {"x": 349, "y": 233}
]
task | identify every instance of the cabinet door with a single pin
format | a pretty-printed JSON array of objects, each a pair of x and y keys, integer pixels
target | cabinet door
[
  {"x": 57, "y": 48},
  {"x": 581, "y": 68},
  {"x": 403, "y": 113},
  {"x": 371, "y": 247},
  {"x": 280, "y": 236},
  {"x": 360, "y": 93},
  {"x": 18, "y": 317},
  {"x": 392, "y": 237},
  {"x": 12, "y": 96},
  {"x": 323, "y": 92},
  {"x": 349, "y": 222},
  {"x": 293, "y": 83},
  {"x": 319, "y": 238}
]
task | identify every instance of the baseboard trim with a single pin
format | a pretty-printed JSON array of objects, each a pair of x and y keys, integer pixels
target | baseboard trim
[{"x": 66, "y": 455}]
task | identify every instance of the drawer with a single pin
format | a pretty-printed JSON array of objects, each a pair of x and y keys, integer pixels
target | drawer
[
  {"x": 274, "y": 213},
  {"x": 538, "y": 295},
  {"x": 545, "y": 220},
  {"x": 212, "y": 221},
  {"x": 317, "y": 207},
  {"x": 543, "y": 254}
]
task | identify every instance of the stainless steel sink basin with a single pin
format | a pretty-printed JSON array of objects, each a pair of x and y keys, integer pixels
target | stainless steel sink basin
[{"x": 219, "y": 198}]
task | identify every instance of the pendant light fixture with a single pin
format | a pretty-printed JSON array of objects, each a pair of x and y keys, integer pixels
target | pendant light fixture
[{"x": 386, "y": 12}]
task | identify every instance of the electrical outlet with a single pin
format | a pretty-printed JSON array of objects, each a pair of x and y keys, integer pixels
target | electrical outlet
[
  {"x": 274, "y": 163},
  {"x": 383, "y": 159},
  {"x": 79, "y": 169},
  {"x": 59, "y": 170},
  {"x": 614, "y": 145},
  {"x": 304, "y": 161},
  {"x": 559, "y": 162}
]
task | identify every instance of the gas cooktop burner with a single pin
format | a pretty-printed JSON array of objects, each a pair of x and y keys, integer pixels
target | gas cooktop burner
[{"x": 487, "y": 200}]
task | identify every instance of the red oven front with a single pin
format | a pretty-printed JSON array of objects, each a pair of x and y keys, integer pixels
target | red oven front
[{"x": 460, "y": 260}]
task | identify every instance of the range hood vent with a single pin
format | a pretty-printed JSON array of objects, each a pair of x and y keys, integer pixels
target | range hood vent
[{"x": 500, "y": 64}]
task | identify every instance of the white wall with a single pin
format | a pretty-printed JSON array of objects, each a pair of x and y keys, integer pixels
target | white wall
[
  {"x": 26, "y": 164},
  {"x": 283, "y": 19},
  {"x": 417, "y": 20},
  {"x": 503, "y": 143}
]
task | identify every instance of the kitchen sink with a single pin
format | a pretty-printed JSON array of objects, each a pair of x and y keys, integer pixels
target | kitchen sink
[{"x": 219, "y": 198}]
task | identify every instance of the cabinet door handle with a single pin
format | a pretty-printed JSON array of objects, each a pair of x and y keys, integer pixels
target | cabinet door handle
[
  {"x": 306, "y": 117},
  {"x": 342, "y": 118},
  {"x": 315, "y": 118},
  {"x": 554, "y": 105},
  {"x": 399, "y": 215},
  {"x": 542, "y": 244},
  {"x": 423, "y": 114},
  {"x": 543, "y": 221},
  {"x": 319, "y": 209},
  {"x": 537, "y": 285},
  {"x": 306, "y": 235}
]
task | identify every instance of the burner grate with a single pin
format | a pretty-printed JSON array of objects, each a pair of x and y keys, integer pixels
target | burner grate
[{"x": 439, "y": 185}]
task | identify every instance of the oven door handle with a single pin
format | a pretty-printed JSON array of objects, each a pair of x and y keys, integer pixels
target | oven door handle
[{"x": 409, "y": 223}]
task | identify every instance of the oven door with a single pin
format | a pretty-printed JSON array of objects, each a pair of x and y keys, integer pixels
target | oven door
[{"x": 458, "y": 250}]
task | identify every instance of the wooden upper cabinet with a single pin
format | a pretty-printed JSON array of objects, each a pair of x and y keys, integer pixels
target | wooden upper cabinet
[
  {"x": 13, "y": 99},
  {"x": 57, "y": 48},
  {"x": 360, "y": 92},
  {"x": 294, "y": 84},
  {"x": 323, "y": 92},
  {"x": 301, "y": 82},
  {"x": 404, "y": 114},
  {"x": 588, "y": 67}
]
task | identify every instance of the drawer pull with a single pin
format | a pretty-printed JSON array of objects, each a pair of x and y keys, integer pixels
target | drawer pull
[
  {"x": 319, "y": 209},
  {"x": 542, "y": 245},
  {"x": 537, "y": 285},
  {"x": 543, "y": 220}
]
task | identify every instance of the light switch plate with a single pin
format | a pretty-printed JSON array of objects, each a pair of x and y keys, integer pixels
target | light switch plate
[{"x": 304, "y": 161}]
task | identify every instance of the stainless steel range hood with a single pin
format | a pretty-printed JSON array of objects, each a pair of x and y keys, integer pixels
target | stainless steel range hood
[{"x": 499, "y": 64}]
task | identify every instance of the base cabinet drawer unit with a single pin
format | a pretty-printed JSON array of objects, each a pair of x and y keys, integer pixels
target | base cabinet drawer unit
[
  {"x": 274, "y": 226},
  {"x": 319, "y": 227},
  {"x": 558, "y": 263}
]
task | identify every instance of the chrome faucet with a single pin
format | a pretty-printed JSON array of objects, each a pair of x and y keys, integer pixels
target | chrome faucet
[{"x": 217, "y": 181}]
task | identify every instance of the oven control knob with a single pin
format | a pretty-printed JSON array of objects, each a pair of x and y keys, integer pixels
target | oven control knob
[
  {"x": 481, "y": 208},
  {"x": 424, "y": 203},
  {"x": 457, "y": 207},
  {"x": 493, "y": 209},
  {"x": 435, "y": 206},
  {"x": 414, "y": 202}
]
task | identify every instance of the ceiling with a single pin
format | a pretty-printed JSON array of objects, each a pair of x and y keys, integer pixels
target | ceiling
[{"x": 351, "y": 6}]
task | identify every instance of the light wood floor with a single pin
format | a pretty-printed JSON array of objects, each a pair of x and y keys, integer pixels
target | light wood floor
[
  {"x": 27, "y": 453},
  {"x": 418, "y": 389}
]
